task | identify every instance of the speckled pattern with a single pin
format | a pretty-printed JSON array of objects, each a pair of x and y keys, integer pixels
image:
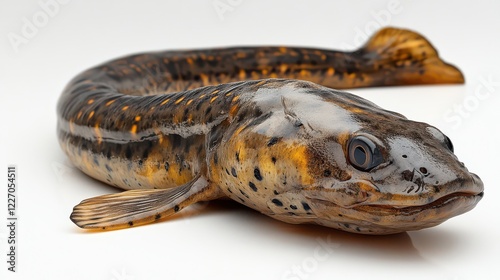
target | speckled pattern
[{"x": 178, "y": 127}]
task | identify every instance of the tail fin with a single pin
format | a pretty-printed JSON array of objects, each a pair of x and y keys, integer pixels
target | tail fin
[{"x": 402, "y": 57}]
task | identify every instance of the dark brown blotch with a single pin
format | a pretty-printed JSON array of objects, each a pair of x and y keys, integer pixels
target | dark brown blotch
[
  {"x": 306, "y": 206},
  {"x": 256, "y": 173},
  {"x": 277, "y": 202},
  {"x": 252, "y": 186},
  {"x": 272, "y": 141}
]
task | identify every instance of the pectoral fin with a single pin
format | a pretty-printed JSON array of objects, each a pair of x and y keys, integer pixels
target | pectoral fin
[{"x": 138, "y": 207}]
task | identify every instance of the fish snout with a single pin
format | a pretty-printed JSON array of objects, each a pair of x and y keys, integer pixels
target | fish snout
[
  {"x": 425, "y": 185},
  {"x": 465, "y": 183},
  {"x": 476, "y": 186}
]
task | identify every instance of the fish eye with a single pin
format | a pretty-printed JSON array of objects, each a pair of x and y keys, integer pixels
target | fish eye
[
  {"x": 448, "y": 143},
  {"x": 363, "y": 153}
]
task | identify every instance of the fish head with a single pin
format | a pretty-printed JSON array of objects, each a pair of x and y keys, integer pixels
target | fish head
[{"x": 341, "y": 161}]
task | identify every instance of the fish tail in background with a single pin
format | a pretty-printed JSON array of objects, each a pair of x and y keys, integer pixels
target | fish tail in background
[{"x": 402, "y": 57}]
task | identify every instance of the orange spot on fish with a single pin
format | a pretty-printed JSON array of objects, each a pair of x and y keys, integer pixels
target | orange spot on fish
[
  {"x": 304, "y": 73},
  {"x": 179, "y": 100},
  {"x": 283, "y": 68},
  {"x": 343, "y": 138},
  {"x": 241, "y": 55},
  {"x": 233, "y": 110},
  {"x": 299, "y": 156},
  {"x": 133, "y": 129},
  {"x": 98, "y": 134},
  {"x": 242, "y": 74},
  {"x": 239, "y": 130},
  {"x": 213, "y": 99},
  {"x": 90, "y": 115},
  {"x": 137, "y": 118},
  {"x": 176, "y": 119},
  {"x": 356, "y": 110},
  {"x": 71, "y": 126},
  {"x": 204, "y": 79},
  {"x": 189, "y": 101},
  {"x": 90, "y": 101},
  {"x": 125, "y": 108},
  {"x": 110, "y": 102},
  {"x": 164, "y": 101},
  {"x": 330, "y": 71}
]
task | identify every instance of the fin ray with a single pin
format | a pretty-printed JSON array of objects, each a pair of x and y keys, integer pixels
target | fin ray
[{"x": 136, "y": 207}]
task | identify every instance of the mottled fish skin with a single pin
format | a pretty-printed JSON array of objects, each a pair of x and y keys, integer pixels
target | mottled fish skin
[{"x": 160, "y": 120}]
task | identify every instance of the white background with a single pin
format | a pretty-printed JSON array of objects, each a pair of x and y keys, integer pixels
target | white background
[{"x": 224, "y": 240}]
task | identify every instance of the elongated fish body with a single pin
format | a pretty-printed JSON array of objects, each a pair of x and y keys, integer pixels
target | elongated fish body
[{"x": 264, "y": 127}]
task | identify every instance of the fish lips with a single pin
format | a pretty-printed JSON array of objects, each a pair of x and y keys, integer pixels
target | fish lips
[
  {"x": 465, "y": 195},
  {"x": 393, "y": 218}
]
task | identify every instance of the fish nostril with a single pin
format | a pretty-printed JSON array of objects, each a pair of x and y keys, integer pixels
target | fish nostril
[
  {"x": 407, "y": 175},
  {"x": 416, "y": 177}
]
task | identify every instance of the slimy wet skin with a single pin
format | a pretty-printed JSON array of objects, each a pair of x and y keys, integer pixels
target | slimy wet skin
[{"x": 174, "y": 128}]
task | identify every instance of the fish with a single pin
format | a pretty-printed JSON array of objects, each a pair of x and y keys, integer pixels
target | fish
[{"x": 267, "y": 127}]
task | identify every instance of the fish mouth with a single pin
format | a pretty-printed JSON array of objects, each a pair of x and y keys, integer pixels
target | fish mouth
[
  {"x": 465, "y": 200},
  {"x": 388, "y": 215},
  {"x": 390, "y": 219}
]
